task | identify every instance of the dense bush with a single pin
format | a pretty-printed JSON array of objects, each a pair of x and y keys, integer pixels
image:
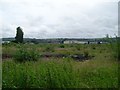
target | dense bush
[
  {"x": 49, "y": 49},
  {"x": 24, "y": 54},
  {"x": 62, "y": 46}
]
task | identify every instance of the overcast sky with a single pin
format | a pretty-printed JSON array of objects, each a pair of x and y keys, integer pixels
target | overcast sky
[{"x": 59, "y": 18}]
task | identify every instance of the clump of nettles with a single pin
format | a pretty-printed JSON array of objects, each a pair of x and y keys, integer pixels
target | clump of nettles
[{"x": 24, "y": 54}]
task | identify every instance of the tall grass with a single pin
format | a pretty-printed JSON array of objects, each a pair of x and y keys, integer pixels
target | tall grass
[
  {"x": 118, "y": 45},
  {"x": 59, "y": 74},
  {"x": 115, "y": 46}
]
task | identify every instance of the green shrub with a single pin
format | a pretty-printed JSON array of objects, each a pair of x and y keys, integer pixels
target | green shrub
[
  {"x": 49, "y": 49},
  {"x": 86, "y": 54},
  {"x": 78, "y": 47},
  {"x": 24, "y": 54},
  {"x": 93, "y": 47},
  {"x": 62, "y": 46}
]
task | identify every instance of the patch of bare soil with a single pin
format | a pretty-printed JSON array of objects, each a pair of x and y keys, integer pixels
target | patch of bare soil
[
  {"x": 76, "y": 57},
  {"x": 81, "y": 57},
  {"x": 6, "y": 56}
]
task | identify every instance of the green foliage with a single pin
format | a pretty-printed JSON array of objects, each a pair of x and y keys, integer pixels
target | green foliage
[
  {"x": 78, "y": 47},
  {"x": 23, "y": 54},
  {"x": 49, "y": 49},
  {"x": 86, "y": 54},
  {"x": 62, "y": 46},
  {"x": 19, "y": 35},
  {"x": 93, "y": 47}
]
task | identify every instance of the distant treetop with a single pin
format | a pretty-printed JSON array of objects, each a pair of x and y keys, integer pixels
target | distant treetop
[{"x": 19, "y": 35}]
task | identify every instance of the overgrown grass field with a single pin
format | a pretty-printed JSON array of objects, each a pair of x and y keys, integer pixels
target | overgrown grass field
[{"x": 28, "y": 66}]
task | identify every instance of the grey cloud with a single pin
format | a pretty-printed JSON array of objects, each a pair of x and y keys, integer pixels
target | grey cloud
[
  {"x": 48, "y": 20},
  {"x": 6, "y": 31}
]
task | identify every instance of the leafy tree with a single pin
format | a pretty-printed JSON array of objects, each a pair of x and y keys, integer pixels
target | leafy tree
[
  {"x": 107, "y": 36},
  {"x": 19, "y": 35}
]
